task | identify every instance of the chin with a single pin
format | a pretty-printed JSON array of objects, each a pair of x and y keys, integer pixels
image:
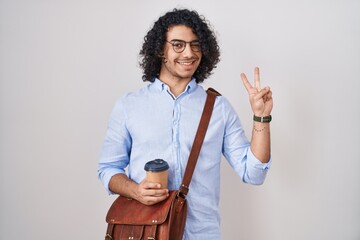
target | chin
[{"x": 186, "y": 75}]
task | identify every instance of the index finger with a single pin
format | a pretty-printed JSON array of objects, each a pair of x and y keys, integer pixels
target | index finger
[
  {"x": 257, "y": 78},
  {"x": 151, "y": 185},
  {"x": 245, "y": 82}
]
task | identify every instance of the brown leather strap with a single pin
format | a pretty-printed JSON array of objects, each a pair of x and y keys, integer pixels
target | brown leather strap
[
  {"x": 109, "y": 232},
  {"x": 152, "y": 232},
  {"x": 198, "y": 141}
]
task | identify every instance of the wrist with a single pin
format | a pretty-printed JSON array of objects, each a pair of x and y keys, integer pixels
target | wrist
[{"x": 262, "y": 119}]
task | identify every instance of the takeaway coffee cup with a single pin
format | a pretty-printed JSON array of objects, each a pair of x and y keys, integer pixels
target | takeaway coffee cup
[{"x": 157, "y": 171}]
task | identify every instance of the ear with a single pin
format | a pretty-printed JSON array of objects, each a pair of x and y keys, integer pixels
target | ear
[
  {"x": 161, "y": 55},
  {"x": 163, "y": 59}
]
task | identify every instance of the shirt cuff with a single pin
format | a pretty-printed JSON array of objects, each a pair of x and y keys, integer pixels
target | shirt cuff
[
  {"x": 105, "y": 179},
  {"x": 253, "y": 162},
  {"x": 255, "y": 170}
]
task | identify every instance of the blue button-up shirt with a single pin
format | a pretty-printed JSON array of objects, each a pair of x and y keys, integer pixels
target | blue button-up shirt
[{"x": 152, "y": 123}]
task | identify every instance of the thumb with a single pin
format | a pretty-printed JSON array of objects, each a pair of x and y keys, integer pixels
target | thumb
[{"x": 262, "y": 93}]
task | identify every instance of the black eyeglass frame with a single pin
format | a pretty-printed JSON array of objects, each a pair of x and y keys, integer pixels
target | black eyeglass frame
[{"x": 196, "y": 48}]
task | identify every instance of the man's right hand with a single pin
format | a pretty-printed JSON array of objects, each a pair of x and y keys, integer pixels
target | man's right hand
[
  {"x": 150, "y": 193},
  {"x": 147, "y": 193}
]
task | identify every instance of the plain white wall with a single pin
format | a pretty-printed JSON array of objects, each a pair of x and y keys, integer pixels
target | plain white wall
[{"x": 64, "y": 63}]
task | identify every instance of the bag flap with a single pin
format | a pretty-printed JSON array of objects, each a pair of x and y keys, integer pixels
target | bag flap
[{"x": 129, "y": 211}]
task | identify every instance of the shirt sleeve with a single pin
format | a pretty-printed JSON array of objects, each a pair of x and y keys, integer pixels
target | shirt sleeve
[
  {"x": 236, "y": 149},
  {"x": 115, "y": 150},
  {"x": 256, "y": 170}
]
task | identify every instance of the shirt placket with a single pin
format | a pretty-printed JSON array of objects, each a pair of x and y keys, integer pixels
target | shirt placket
[{"x": 175, "y": 140}]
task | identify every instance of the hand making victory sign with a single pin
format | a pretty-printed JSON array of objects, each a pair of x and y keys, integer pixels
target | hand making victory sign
[
  {"x": 261, "y": 104},
  {"x": 260, "y": 99}
]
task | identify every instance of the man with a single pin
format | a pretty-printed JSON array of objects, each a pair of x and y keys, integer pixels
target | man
[{"x": 161, "y": 119}]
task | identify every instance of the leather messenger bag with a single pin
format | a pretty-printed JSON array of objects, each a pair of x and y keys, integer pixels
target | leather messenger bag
[{"x": 130, "y": 219}]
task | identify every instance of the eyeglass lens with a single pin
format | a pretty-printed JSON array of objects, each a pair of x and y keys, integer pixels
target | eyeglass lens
[{"x": 179, "y": 45}]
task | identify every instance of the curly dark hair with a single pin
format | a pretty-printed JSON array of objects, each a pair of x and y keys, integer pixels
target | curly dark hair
[{"x": 152, "y": 49}]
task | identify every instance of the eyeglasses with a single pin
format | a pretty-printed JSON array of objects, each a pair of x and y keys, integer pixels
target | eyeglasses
[{"x": 180, "y": 45}]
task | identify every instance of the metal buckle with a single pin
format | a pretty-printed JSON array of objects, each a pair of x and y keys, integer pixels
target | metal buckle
[
  {"x": 182, "y": 192},
  {"x": 181, "y": 195}
]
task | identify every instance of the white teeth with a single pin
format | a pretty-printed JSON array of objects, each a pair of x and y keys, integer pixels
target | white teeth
[{"x": 185, "y": 63}]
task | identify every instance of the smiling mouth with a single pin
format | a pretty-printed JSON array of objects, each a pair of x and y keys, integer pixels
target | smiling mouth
[{"x": 187, "y": 63}]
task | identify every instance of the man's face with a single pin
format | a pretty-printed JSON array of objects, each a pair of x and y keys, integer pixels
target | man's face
[{"x": 180, "y": 65}]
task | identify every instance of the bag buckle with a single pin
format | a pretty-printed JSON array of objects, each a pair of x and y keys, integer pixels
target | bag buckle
[
  {"x": 180, "y": 195},
  {"x": 182, "y": 191}
]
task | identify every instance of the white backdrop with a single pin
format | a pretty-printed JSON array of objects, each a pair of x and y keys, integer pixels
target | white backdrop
[{"x": 64, "y": 63}]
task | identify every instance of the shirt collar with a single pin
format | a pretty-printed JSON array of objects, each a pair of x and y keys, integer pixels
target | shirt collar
[{"x": 161, "y": 86}]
